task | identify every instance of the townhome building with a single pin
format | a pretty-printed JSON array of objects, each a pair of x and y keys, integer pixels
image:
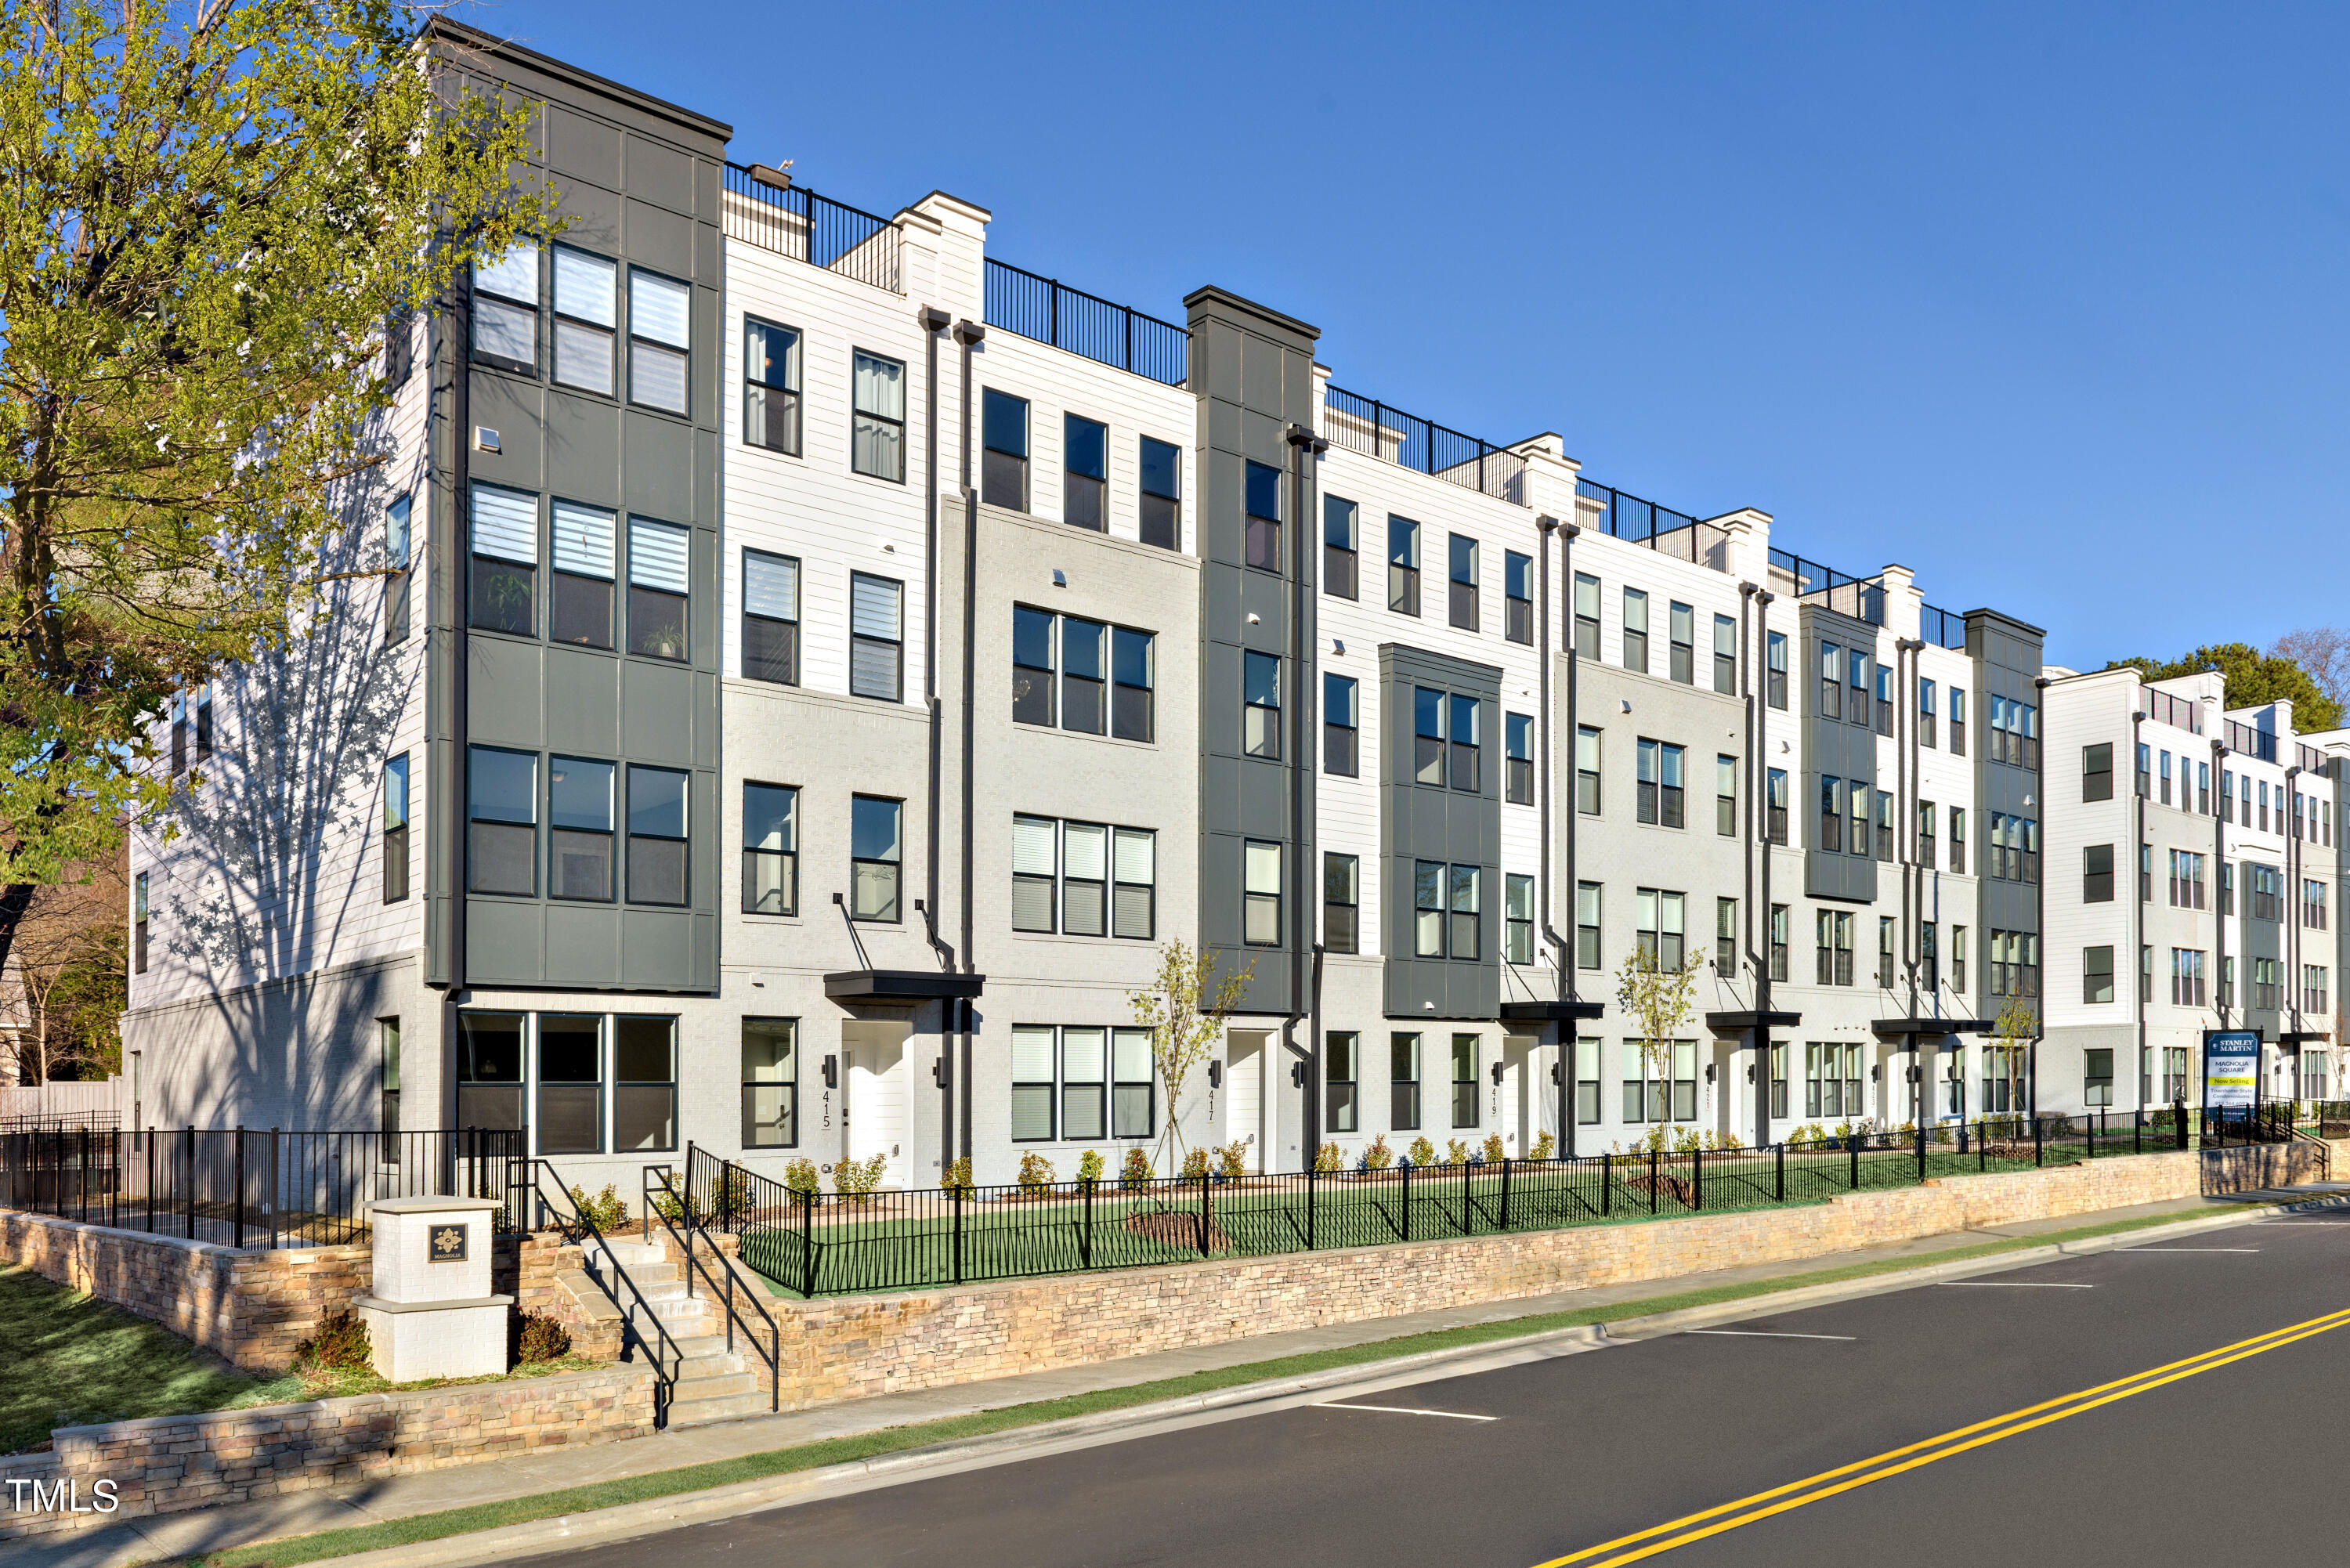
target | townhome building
[
  {"x": 2198, "y": 888},
  {"x": 805, "y": 669}
]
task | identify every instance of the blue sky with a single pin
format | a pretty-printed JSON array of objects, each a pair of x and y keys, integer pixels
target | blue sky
[{"x": 2045, "y": 302}]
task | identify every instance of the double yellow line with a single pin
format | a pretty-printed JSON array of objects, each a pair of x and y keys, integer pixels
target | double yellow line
[{"x": 1894, "y": 1461}]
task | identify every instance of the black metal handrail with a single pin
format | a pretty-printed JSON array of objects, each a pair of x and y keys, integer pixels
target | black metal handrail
[
  {"x": 793, "y": 221},
  {"x": 1381, "y": 431},
  {"x": 683, "y": 1228},
  {"x": 580, "y": 1228},
  {"x": 1050, "y": 311}
]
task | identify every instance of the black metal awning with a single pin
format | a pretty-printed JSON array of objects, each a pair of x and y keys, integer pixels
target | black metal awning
[
  {"x": 1560, "y": 1012},
  {"x": 1896, "y": 1028},
  {"x": 2305, "y": 1037},
  {"x": 903, "y": 986},
  {"x": 1739, "y": 1022}
]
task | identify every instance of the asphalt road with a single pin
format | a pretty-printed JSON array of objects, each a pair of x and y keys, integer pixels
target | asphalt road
[{"x": 2243, "y": 1456}]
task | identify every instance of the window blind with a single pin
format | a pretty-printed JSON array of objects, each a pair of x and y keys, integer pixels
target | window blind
[
  {"x": 771, "y": 586},
  {"x": 658, "y": 309},
  {"x": 583, "y": 287},
  {"x": 506, "y": 524},
  {"x": 583, "y": 540},
  {"x": 657, "y": 555}
]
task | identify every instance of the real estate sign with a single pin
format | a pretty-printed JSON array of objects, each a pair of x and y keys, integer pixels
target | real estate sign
[{"x": 2231, "y": 1068}]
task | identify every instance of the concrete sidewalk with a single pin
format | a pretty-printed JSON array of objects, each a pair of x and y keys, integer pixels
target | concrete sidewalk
[{"x": 170, "y": 1537}]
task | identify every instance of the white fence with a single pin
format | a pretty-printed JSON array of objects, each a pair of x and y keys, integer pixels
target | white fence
[{"x": 63, "y": 1104}]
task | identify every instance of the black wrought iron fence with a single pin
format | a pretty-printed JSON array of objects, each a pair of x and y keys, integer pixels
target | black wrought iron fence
[
  {"x": 61, "y": 1121},
  {"x": 793, "y": 221},
  {"x": 1367, "y": 425},
  {"x": 814, "y": 1242},
  {"x": 1051, "y": 312},
  {"x": 255, "y": 1187}
]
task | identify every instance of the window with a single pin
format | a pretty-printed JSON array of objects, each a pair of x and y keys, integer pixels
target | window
[
  {"x": 1831, "y": 680},
  {"x": 2227, "y": 997},
  {"x": 1162, "y": 493},
  {"x": 1775, "y": 670},
  {"x": 1339, "y": 546},
  {"x": 1032, "y": 665},
  {"x": 388, "y": 1110},
  {"x": 1660, "y": 925},
  {"x": 1082, "y": 683},
  {"x": 1774, "y": 825},
  {"x": 2227, "y": 797},
  {"x": 2165, "y": 775},
  {"x": 505, "y": 528},
  {"x": 579, "y": 829},
  {"x": 1260, "y": 709},
  {"x": 771, "y": 1082},
  {"x": 2098, "y": 873},
  {"x": 2313, "y": 989},
  {"x": 1097, "y": 879},
  {"x": 2187, "y": 881},
  {"x": 1341, "y": 900},
  {"x": 771, "y": 849},
  {"x": 876, "y": 637},
  {"x": 1725, "y": 655},
  {"x": 2264, "y": 805},
  {"x": 395, "y": 560},
  {"x": 2268, "y": 985},
  {"x": 1856, "y": 799},
  {"x": 657, "y": 552},
  {"x": 1928, "y": 814},
  {"x": 1926, "y": 713},
  {"x": 1463, "y": 559},
  {"x": 644, "y": 1084},
  {"x": 2145, "y": 873},
  {"x": 1587, "y": 924},
  {"x": 1132, "y": 1096},
  {"x": 2098, "y": 772},
  {"x": 579, "y": 591},
  {"x": 2312, "y": 898},
  {"x": 1260, "y": 894},
  {"x": 1586, "y": 1080},
  {"x": 2144, "y": 767},
  {"x": 1428, "y": 908},
  {"x": 771, "y": 387},
  {"x": 1464, "y": 1081},
  {"x": 1262, "y": 499},
  {"x": 398, "y": 349},
  {"x": 489, "y": 1071},
  {"x": 2014, "y": 963},
  {"x": 1586, "y": 616},
  {"x": 1466, "y": 898},
  {"x": 1929, "y": 963},
  {"x": 1725, "y": 936},
  {"x": 1085, "y": 473},
  {"x": 203, "y": 721},
  {"x": 1884, "y": 700},
  {"x": 1779, "y": 942},
  {"x": 1003, "y": 449},
  {"x": 1518, "y": 598},
  {"x": 2015, "y": 737},
  {"x": 1134, "y": 883},
  {"x": 2264, "y": 889},
  {"x": 657, "y": 820},
  {"x": 179, "y": 732},
  {"x": 1519, "y": 742},
  {"x": 501, "y": 819},
  {"x": 1957, "y": 838},
  {"x": 1681, "y": 628},
  {"x": 1725, "y": 796},
  {"x": 1403, "y": 1082},
  {"x": 1587, "y": 769},
  {"x": 1427, "y": 736},
  {"x": 139, "y": 924},
  {"x": 875, "y": 853},
  {"x": 2185, "y": 977},
  {"x": 877, "y": 444},
  {"x": 1085, "y": 878},
  {"x": 1659, "y": 781},
  {"x": 585, "y": 300},
  {"x": 1341, "y": 1053},
  {"x": 1035, "y": 873},
  {"x": 1856, "y": 700},
  {"x": 1883, "y": 824},
  {"x": 395, "y": 829},
  {"x": 660, "y": 312},
  {"x": 1340, "y": 733},
  {"x": 506, "y": 310},
  {"x": 1084, "y": 1089},
  {"x": 1830, "y": 815},
  {"x": 1133, "y": 710},
  {"x": 1636, "y": 630},
  {"x": 1884, "y": 952},
  {"x": 1032, "y": 1084},
  {"x": 1959, "y": 958},
  {"x": 1832, "y": 1081},
  {"x": 1518, "y": 919},
  {"x": 1958, "y": 722},
  {"x": 570, "y": 1084},
  {"x": 1468, "y": 746},
  {"x": 1403, "y": 565},
  {"x": 771, "y": 617},
  {"x": 1833, "y": 944}
]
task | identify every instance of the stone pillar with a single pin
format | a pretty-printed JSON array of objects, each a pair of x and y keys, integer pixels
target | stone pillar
[{"x": 431, "y": 1312}]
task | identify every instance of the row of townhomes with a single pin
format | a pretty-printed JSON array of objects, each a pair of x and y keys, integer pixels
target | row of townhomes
[{"x": 814, "y": 666}]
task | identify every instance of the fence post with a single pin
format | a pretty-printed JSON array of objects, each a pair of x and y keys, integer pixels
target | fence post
[
  {"x": 1505, "y": 1192},
  {"x": 2137, "y": 1130},
  {"x": 1697, "y": 1161},
  {"x": 82, "y": 1186},
  {"x": 1983, "y": 1147},
  {"x": 2179, "y": 1120},
  {"x": 957, "y": 1196},
  {"x": 1468, "y": 1198},
  {"x": 1652, "y": 1179},
  {"x": 1086, "y": 1240},
  {"x": 188, "y": 1193},
  {"x": 807, "y": 1249},
  {"x": 1407, "y": 1199},
  {"x": 2089, "y": 1131},
  {"x": 2039, "y": 1147},
  {"x": 1203, "y": 1213},
  {"x": 1782, "y": 1163},
  {"x": 1852, "y": 1145},
  {"x": 1607, "y": 1179},
  {"x": 275, "y": 1190},
  {"x": 1921, "y": 1154},
  {"x": 1310, "y": 1172},
  {"x": 149, "y": 1139}
]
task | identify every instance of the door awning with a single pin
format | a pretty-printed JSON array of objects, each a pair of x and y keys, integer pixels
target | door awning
[
  {"x": 1899, "y": 1028},
  {"x": 903, "y": 986},
  {"x": 1562, "y": 1012},
  {"x": 1739, "y": 1022}
]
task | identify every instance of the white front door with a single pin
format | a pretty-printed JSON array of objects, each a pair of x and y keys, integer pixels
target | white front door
[
  {"x": 873, "y": 1096},
  {"x": 1244, "y": 1086}
]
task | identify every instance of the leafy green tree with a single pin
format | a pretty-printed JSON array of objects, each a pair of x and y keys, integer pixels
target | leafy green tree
[
  {"x": 1184, "y": 1008},
  {"x": 2252, "y": 676},
  {"x": 209, "y": 210},
  {"x": 1660, "y": 1000}
]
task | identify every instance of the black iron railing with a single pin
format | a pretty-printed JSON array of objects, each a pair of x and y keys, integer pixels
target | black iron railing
[
  {"x": 2247, "y": 741},
  {"x": 1368, "y": 426},
  {"x": 672, "y": 1206},
  {"x": 1627, "y": 516},
  {"x": 255, "y": 1187},
  {"x": 829, "y": 1243},
  {"x": 61, "y": 1121},
  {"x": 795, "y": 222},
  {"x": 553, "y": 1207},
  {"x": 1051, "y": 312}
]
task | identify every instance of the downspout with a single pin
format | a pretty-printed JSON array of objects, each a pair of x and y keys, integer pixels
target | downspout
[
  {"x": 1303, "y": 443},
  {"x": 935, "y": 321},
  {"x": 2291, "y": 923},
  {"x": 1763, "y": 597},
  {"x": 2139, "y": 983},
  {"x": 967, "y": 334},
  {"x": 1547, "y": 525},
  {"x": 1567, "y": 1043},
  {"x": 2040, "y": 901},
  {"x": 2219, "y": 869},
  {"x": 461, "y": 334},
  {"x": 1913, "y": 888},
  {"x": 1746, "y": 592}
]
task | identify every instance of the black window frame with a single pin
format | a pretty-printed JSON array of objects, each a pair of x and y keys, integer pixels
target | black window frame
[
  {"x": 775, "y": 639},
  {"x": 1403, "y": 565},
  {"x": 1161, "y": 520},
  {"x": 682, "y": 838},
  {"x": 562, "y": 325},
  {"x": 786, "y": 385},
  {"x": 1342, "y": 521},
  {"x": 1342, "y": 902},
  {"x": 1518, "y": 748},
  {"x": 1463, "y": 555},
  {"x": 860, "y": 640},
  {"x": 1517, "y": 599},
  {"x": 1084, "y": 490},
  {"x": 1261, "y": 516},
  {"x": 892, "y": 912},
  {"x": 642, "y": 348},
  {"x": 1003, "y": 470},
  {"x": 785, "y": 859},
  {"x": 601, "y": 840},
  {"x": 892, "y": 427},
  {"x": 1260, "y": 705},
  {"x": 1341, "y": 731}
]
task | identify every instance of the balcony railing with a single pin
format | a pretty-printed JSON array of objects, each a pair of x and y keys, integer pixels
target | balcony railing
[
  {"x": 2247, "y": 741},
  {"x": 795, "y": 222},
  {"x": 1051, "y": 312},
  {"x": 2178, "y": 713},
  {"x": 1370, "y": 427},
  {"x": 1669, "y": 533},
  {"x": 1941, "y": 628},
  {"x": 1863, "y": 598}
]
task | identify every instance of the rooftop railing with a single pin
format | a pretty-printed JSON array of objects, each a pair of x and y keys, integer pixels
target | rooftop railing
[
  {"x": 1365, "y": 425},
  {"x": 1863, "y": 598},
  {"x": 1941, "y": 628},
  {"x": 793, "y": 221},
  {"x": 2247, "y": 741},
  {"x": 1051, "y": 312},
  {"x": 2179, "y": 713}
]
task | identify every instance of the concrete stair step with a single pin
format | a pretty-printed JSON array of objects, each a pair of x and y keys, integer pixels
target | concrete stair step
[
  {"x": 723, "y": 1407},
  {"x": 716, "y": 1386}
]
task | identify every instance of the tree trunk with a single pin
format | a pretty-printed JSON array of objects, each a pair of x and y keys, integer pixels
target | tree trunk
[{"x": 15, "y": 899}]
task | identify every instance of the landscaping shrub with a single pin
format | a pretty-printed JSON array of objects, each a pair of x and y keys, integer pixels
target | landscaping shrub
[
  {"x": 1330, "y": 1160},
  {"x": 860, "y": 1178},
  {"x": 1378, "y": 1156},
  {"x": 1036, "y": 1172},
  {"x": 340, "y": 1344},
  {"x": 1232, "y": 1160},
  {"x": 1090, "y": 1165},
  {"x": 1493, "y": 1151},
  {"x": 1195, "y": 1165},
  {"x": 542, "y": 1339},
  {"x": 1134, "y": 1174},
  {"x": 800, "y": 1177},
  {"x": 1422, "y": 1152},
  {"x": 958, "y": 1176},
  {"x": 1456, "y": 1153},
  {"x": 605, "y": 1210},
  {"x": 1546, "y": 1147}
]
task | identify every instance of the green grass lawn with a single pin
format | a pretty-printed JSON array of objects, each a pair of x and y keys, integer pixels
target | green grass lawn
[
  {"x": 68, "y": 1359},
  {"x": 913, "y": 1241}
]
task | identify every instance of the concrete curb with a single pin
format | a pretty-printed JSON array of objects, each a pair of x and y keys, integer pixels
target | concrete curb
[{"x": 628, "y": 1521}]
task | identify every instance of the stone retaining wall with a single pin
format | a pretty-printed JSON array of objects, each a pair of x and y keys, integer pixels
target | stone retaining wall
[{"x": 176, "y": 1462}]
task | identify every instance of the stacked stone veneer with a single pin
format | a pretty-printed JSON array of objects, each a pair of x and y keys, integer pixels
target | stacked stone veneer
[
  {"x": 178, "y": 1462},
  {"x": 853, "y": 1347}
]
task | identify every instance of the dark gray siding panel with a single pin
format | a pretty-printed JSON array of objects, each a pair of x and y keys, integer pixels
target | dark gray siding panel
[{"x": 1427, "y": 822}]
